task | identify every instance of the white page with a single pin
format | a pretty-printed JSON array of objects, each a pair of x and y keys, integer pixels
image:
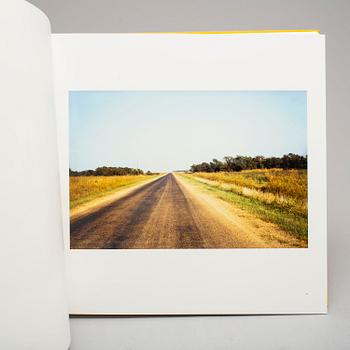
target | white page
[
  {"x": 198, "y": 281},
  {"x": 33, "y": 307}
]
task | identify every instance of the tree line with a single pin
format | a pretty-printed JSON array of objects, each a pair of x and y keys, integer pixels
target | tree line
[
  {"x": 238, "y": 163},
  {"x": 109, "y": 171}
]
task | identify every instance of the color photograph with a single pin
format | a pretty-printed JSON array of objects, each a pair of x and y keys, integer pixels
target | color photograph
[{"x": 188, "y": 169}]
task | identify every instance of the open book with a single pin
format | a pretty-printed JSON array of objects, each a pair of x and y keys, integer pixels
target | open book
[{"x": 180, "y": 173}]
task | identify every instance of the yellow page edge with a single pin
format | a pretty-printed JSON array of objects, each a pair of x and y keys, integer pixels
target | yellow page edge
[{"x": 243, "y": 31}]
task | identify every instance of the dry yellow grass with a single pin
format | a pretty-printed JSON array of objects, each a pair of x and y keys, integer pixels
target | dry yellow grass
[
  {"x": 83, "y": 189},
  {"x": 286, "y": 188},
  {"x": 275, "y": 195}
]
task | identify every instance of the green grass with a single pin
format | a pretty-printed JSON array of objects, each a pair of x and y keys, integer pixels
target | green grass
[{"x": 292, "y": 222}]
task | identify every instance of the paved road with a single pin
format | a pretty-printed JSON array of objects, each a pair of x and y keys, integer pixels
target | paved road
[{"x": 160, "y": 214}]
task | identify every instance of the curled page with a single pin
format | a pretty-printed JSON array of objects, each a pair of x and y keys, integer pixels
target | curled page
[{"x": 33, "y": 308}]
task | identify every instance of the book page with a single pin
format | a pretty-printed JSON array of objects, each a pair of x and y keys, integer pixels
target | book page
[
  {"x": 193, "y": 172},
  {"x": 33, "y": 307}
]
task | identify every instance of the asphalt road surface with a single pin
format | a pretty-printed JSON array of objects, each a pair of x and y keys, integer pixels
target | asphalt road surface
[
  {"x": 171, "y": 212},
  {"x": 160, "y": 214}
]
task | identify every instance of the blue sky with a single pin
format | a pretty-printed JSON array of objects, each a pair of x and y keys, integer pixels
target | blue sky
[{"x": 170, "y": 130}]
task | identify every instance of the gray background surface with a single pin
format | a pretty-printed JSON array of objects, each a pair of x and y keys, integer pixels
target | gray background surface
[{"x": 332, "y": 17}]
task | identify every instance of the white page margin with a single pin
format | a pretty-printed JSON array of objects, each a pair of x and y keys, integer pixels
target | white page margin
[{"x": 230, "y": 281}]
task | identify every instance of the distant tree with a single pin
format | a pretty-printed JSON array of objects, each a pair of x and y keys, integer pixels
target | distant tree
[
  {"x": 229, "y": 163},
  {"x": 259, "y": 162},
  {"x": 238, "y": 163},
  {"x": 107, "y": 171},
  {"x": 216, "y": 165}
]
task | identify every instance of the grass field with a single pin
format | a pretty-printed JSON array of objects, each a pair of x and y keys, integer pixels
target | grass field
[
  {"x": 275, "y": 195},
  {"x": 83, "y": 189}
]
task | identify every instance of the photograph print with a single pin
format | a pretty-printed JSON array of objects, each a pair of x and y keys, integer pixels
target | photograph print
[{"x": 188, "y": 169}]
